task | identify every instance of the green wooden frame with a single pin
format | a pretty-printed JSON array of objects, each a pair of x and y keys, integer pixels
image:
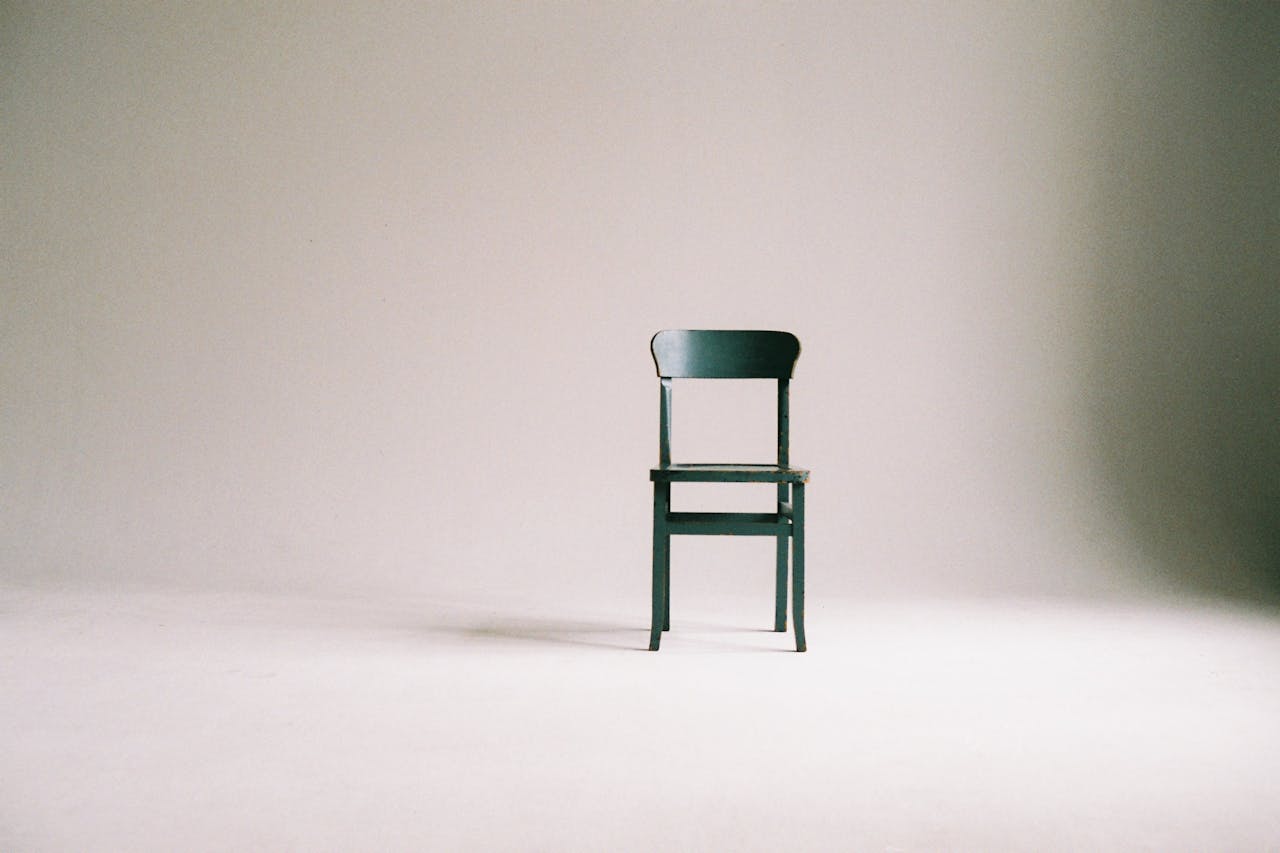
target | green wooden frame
[{"x": 725, "y": 354}]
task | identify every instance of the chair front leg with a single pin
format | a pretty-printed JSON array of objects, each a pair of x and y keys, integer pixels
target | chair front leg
[
  {"x": 780, "y": 571},
  {"x": 797, "y": 563},
  {"x": 661, "y": 499},
  {"x": 666, "y": 577}
]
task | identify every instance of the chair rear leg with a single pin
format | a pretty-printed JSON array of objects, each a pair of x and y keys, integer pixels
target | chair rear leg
[
  {"x": 780, "y": 587},
  {"x": 797, "y": 563},
  {"x": 661, "y": 493}
]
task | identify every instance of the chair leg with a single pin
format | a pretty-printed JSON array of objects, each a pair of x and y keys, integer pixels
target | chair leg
[
  {"x": 797, "y": 563},
  {"x": 666, "y": 575},
  {"x": 780, "y": 587},
  {"x": 780, "y": 575},
  {"x": 661, "y": 493}
]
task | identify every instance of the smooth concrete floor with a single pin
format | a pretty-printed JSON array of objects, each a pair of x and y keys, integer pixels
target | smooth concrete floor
[{"x": 219, "y": 722}]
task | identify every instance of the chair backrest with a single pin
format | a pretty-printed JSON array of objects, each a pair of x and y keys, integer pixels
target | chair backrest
[{"x": 724, "y": 354}]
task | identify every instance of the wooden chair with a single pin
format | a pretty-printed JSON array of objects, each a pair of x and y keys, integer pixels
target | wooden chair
[{"x": 688, "y": 354}]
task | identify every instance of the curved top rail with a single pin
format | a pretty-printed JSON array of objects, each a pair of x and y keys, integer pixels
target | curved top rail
[{"x": 724, "y": 354}]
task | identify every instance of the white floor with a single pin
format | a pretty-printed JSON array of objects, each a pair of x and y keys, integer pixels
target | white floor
[{"x": 200, "y": 722}]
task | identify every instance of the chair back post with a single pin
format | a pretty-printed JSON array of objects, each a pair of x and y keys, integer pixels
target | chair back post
[
  {"x": 664, "y": 424},
  {"x": 784, "y": 438},
  {"x": 784, "y": 422}
]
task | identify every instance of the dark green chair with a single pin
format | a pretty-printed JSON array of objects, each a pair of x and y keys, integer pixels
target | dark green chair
[{"x": 690, "y": 354}]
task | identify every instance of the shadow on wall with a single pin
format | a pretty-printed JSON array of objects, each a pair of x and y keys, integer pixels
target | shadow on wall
[{"x": 1184, "y": 333}]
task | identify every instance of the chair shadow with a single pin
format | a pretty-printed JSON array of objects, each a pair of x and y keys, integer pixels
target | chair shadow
[
  {"x": 563, "y": 633},
  {"x": 603, "y": 635}
]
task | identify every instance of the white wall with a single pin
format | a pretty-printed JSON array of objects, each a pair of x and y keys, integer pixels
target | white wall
[{"x": 344, "y": 297}]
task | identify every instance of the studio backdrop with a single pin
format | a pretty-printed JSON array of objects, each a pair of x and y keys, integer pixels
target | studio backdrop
[{"x": 340, "y": 297}]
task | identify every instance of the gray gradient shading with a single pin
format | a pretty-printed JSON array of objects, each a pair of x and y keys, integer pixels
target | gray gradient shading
[{"x": 1184, "y": 321}]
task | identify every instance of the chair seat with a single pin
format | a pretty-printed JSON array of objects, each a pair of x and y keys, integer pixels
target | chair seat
[{"x": 717, "y": 473}]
